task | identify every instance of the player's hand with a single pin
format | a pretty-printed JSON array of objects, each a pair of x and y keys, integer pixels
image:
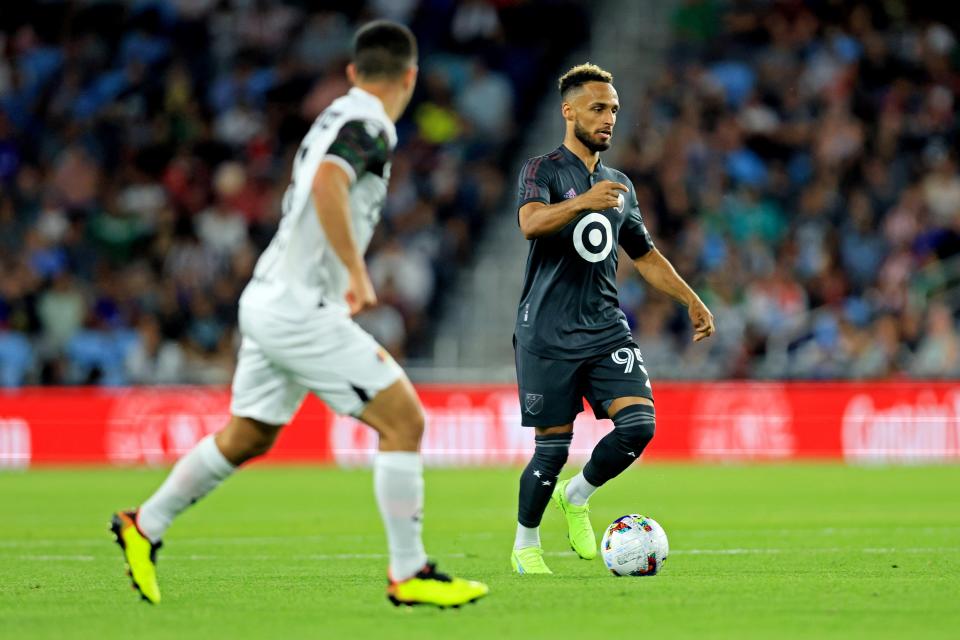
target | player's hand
[
  {"x": 702, "y": 320},
  {"x": 605, "y": 194},
  {"x": 360, "y": 293}
]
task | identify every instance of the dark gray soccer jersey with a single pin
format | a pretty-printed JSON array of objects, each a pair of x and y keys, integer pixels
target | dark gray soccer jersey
[{"x": 569, "y": 307}]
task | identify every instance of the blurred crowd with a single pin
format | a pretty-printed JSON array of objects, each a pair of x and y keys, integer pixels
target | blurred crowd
[
  {"x": 797, "y": 160},
  {"x": 144, "y": 146}
]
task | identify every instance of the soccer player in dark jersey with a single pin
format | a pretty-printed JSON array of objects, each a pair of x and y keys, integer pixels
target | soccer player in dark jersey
[{"x": 571, "y": 338}]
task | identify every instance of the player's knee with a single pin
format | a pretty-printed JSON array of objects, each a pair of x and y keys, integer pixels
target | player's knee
[
  {"x": 551, "y": 452},
  {"x": 635, "y": 438},
  {"x": 414, "y": 423},
  {"x": 635, "y": 426},
  {"x": 406, "y": 429}
]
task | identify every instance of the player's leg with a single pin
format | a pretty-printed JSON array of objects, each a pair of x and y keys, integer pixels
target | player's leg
[
  {"x": 197, "y": 473},
  {"x": 618, "y": 388},
  {"x": 202, "y": 469},
  {"x": 259, "y": 390},
  {"x": 353, "y": 375},
  {"x": 537, "y": 481},
  {"x": 396, "y": 414},
  {"x": 549, "y": 401},
  {"x": 244, "y": 439},
  {"x": 634, "y": 423}
]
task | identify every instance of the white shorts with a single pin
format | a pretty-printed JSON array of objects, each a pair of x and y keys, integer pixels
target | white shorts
[{"x": 320, "y": 350}]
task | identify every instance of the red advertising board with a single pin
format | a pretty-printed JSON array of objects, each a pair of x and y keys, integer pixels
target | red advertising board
[{"x": 479, "y": 425}]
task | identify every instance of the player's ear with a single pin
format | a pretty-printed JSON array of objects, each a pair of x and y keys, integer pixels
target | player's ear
[
  {"x": 352, "y": 73},
  {"x": 410, "y": 77},
  {"x": 567, "y": 110}
]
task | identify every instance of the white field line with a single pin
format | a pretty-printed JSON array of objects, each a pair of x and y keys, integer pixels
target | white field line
[
  {"x": 206, "y": 557},
  {"x": 202, "y": 541},
  {"x": 775, "y": 551},
  {"x": 825, "y": 531},
  {"x": 314, "y": 556},
  {"x": 382, "y": 556},
  {"x": 760, "y": 551},
  {"x": 49, "y": 558}
]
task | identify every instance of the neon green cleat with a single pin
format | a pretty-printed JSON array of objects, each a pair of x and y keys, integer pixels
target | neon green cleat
[
  {"x": 529, "y": 560},
  {"x": 579, "y": 529},
  {"x": 431, "y": 587},
  {"x": 140, "y": 554}
]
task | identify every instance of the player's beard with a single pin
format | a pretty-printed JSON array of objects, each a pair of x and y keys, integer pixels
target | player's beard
[{"x": 595, "y": 146}]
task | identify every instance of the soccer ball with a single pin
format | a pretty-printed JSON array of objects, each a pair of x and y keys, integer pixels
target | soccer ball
[{"x": 634, "y": 545}]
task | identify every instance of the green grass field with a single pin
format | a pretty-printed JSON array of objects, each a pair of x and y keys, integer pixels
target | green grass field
[{"x": 808, "y": 551}]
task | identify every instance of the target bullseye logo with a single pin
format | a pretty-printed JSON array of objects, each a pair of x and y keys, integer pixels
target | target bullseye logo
[{"x": 593, "y": 237}]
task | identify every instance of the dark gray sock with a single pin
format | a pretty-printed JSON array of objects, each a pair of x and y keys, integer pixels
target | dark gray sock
[{"x": 539, "y": 478}]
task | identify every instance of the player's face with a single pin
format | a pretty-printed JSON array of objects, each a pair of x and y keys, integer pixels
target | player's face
[{"x": 593, "y": 111}]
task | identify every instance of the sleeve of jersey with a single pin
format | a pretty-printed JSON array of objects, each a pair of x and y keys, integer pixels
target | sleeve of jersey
[
  {"x": 534, "y": 182},
  {"x": 358, "y": 148},
  {"x": 634, "y": 237}
]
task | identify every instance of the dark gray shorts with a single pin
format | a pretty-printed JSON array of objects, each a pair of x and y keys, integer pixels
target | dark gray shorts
[{"x": 552, "y": 391}]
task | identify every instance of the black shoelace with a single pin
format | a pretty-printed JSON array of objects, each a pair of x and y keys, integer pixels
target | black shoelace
[{"x": 430, "y": 572}]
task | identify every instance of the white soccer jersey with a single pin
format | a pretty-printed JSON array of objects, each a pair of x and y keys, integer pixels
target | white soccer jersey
[{"x": 299, "y": 268}]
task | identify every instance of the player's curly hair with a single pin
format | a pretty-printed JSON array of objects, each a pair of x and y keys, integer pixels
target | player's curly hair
[{"x": 582, "y": 74}]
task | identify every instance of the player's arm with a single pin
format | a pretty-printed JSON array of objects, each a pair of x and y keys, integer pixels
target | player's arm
[
  {"x": 358, "y": 147},
  {"x": 658, "y": 271},
  {"x": 331, "y": 197},
  {"x": 541, "y": 219}
]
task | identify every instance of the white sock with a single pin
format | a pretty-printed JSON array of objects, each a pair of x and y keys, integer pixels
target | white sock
[
  {"x": 398, "y": 485},
  {"x": 195, "y": 475},
  {"x": 526, "y": 537},
  {"x": 579, "y": 490}
]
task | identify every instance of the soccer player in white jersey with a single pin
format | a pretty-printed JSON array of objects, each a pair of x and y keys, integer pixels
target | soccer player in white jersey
[{"x": 298, "y": 336}]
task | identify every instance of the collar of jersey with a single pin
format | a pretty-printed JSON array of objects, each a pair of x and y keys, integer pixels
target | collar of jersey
[
  {"x": 368, "y": 97},
  {"x": 571, "y": 156}
]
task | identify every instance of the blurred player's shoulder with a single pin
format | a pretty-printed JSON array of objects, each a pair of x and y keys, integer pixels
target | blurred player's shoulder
[
  {"x": 357, "y": 102},
  {"x": 364, "y": 109}
]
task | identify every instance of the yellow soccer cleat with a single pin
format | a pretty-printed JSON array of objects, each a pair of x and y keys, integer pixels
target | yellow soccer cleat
[
  {"x": 139, "y": 553},
  {"x": 529, "y": 560},
  {"x": 434, "y": 588},
  {"x": 579, "y": 529}
]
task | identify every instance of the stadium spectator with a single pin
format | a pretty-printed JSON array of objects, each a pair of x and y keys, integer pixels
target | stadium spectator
[
  {"x": 804, "y": 153},
  {"x": 144, "y": 149},
  {"x": 798, "y": 158}
]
